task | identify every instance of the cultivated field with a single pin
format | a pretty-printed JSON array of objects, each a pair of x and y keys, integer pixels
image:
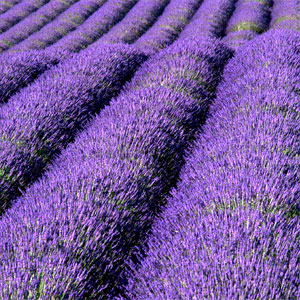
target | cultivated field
[{"x": 149, "y": 149}]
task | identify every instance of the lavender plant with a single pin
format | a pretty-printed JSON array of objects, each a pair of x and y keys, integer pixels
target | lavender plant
[
  {"x": 231, "y": 228},
  {"x": 33, "y": 23},
  {"x": 286, "y": 14},
  {"x": 250, "y": 19},
  {"x": 61, "y": 26},
  {"x": 168, "y": 26},
  {"x": 17, "y": 71},
  {"x": 43, "y": 118},
  {"x": 19, "y": 12},
  {"x": 5, "y": 5},
  {"x": 94, "y": 27},
  {"x": 81, "y": 221},
  {"x": 136, "y": 22},
  {"x": 210, "y": 20}
]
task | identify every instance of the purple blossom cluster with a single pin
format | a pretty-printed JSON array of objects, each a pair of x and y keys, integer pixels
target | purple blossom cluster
[
  {"x": 71, "y": 233},
  {"x": 5, "y": 5},
  {"x": 250, "y": 18},
  {"x": 136, "y": 22},
  {"x": 231, "y": 228},
  {"x": 168, "y": 26},
  {"x": 286, "y": 14},
  {"x": 61, "y": 26},
  {"x": 210, "y": 20},
  {"x": 40, "y": 120},
  {"x": 33, "y": 23},
  {"x": 19, "y": 12},
  {"x": 112, "y": 12},
  {"x": 17, "y": 71}
]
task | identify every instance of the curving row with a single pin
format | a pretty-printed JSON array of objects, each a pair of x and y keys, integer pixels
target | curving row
[
  {"x": 39, "y": 121},
  {"x": 61, "y": 25},
  {"x": 250, "y": 18},
  {"x": 136, "y": 22},
  {"x": 33, "y": 23},
  {"x": 231, "y": 229},
  {"x": 19, "y": 12},
  {"x": 210, "y": 19},
  {"x": 112, "y": 12},
  {"x": 5, "y": 5},
  {"x": 286, "y": 14},
  {"x": 168, "y": 26},
  {"x": 71, "y": 233}
]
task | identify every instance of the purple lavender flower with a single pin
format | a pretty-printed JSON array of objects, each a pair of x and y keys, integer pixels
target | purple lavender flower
[
  {"x": 61, "y": 26},
  {"x": 231, "y": 228},
  {"x": 7, "y": 4},
  {"x": 78, "y": 226},
  {"x": 33, "y": 23},
  {"x": 95, "y": 26}
]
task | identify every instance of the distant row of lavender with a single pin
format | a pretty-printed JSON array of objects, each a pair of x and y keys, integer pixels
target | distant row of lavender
[
  {"x": 231, "y": 229},
  {"x": 41, "y": 119},
  {"x": 95, "y": 26},
  {"x": 61, "y": 26},
  {"x": 33, "y": 23},
  {"x": 210, "y": 20},
  {"x": 136, "y": 22},
  {"x": 250, "y": 18},
  {"x": 168, "y": 26},
  {"x": 286, "y": 14},
  {"x": 5, "y": 5},
  {"x": 71, "y": 233},
  {"x": 19, "y": 12}
]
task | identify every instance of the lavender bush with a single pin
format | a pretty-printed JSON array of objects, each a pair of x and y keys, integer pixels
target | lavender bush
[
  {"x": 61, "y": 26},
  {"x": 33, "y": 23},
  {"x": 19, "y": 12},
  {"x": 95, "y": 26},
  {"x": 250, "y": 19},
  {"x": 136, "y": 22},
  {"x": 17, "y": 71},
  {"x": 286, "y": 14},
  {"x": 168, "y": 26},
  {"x": 78, "y": 225},
  {"x": 38, "y": 122},
  {"x": 231, "y": 229}
]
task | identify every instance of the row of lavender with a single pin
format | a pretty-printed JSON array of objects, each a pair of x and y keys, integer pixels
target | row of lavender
[
  {"x": 231, "y": 229},
  {"x": 103, "y": 191},
  {"x": 146, "y": 161},
  {"x": 250, "y": 19},
  {"x": 5, "y": 5},
  {"x": 19, "y": 12},
  {"x": 68, "y": 21},
  {"x": 29, "y": 145},
  {"x": 33, "y": 23}
]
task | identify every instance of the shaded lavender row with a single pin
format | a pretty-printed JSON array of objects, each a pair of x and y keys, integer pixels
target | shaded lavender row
[
  {"x": 95, "y": 26},
  {"x": 18, "y": 70},
  {"x": 5, "y": 5},
  {"x": 33, "y": 23},
  {"x": 73, "y": 230},
  {"x": 19, "y": 12},
  {"x": 231, "y": 229},
  {"x": 250, "y": 19},
  {"x": 286, "y": 14},
  {"x": 210, "y": 20},
  {"x": 136, "y": 22},
  {"x": 61, "y": 26},
  {"x": 168, "y": 26},
  {"x": 43, "y": 118}
]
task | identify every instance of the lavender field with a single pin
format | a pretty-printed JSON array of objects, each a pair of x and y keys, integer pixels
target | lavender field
[{"x": 150, "y": 149}]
